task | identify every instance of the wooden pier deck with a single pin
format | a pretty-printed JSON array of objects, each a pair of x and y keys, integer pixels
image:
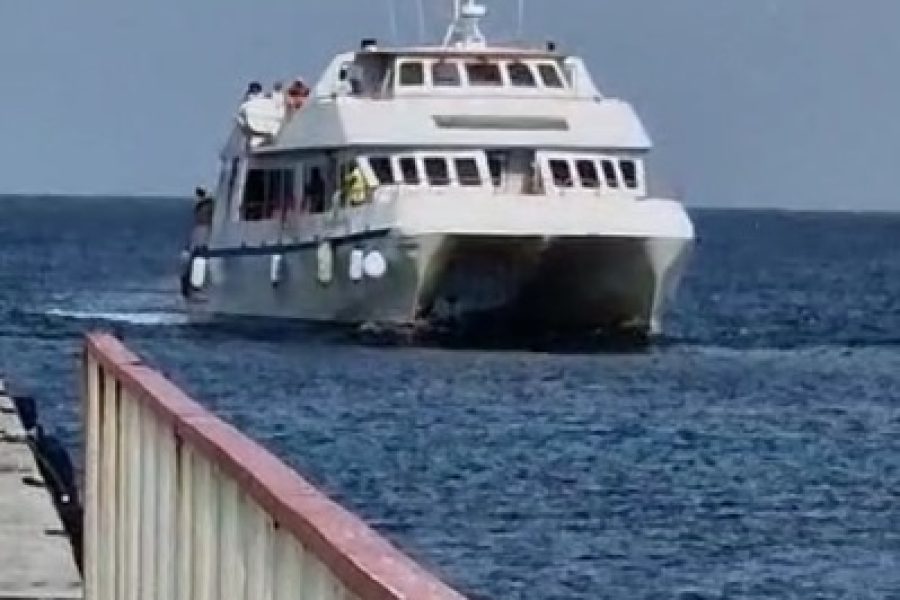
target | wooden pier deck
[{"x": 36, "y": 560}]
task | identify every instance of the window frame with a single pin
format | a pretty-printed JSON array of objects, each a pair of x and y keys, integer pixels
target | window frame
[
  {"x": 564, "y": 161},
  {"x": 540, "y": 68},
  {"x": 434, "y": 65},
  {"x": 312, "y": 204},
  {"x": 277, "y": 191},
  {"x": 402, "y": 64},
  {"x": 592, "y": 162},
  {"x": 500, "y": 82},
  {"x": 258, "y": 176},
  {"x": 374, "y": 173},
  {"x": 636, "y": 185},
  {"x": 509, "y": 65},
  {"x": 501, "y": 159},
  {"x": 399, "y": 160},
  {"x": 470, "y": 182},
  {"x": 445, "y": 160},
  {"x": 611, "y": 178}
]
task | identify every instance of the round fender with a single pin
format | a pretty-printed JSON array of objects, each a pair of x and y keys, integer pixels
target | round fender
[{"x": 375, "y": 265}]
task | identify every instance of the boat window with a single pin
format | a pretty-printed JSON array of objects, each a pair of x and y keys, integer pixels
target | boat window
[
  {"x": 267, "y": 193},
  {"x": 445, "y": 74},
  {"x": 467, "y": 172},
  {"x": 409, "y": 171},
  {"x": 587, "y": 173},
  {"x": 484, "y": 74},
  {"x": 381, "y": 168},
  {"x": 520, "y": 75},
  {"x": 412, "y": 74},
  {"x": 254, "y": 195},
  {"x": 610, "y": 175},
  {"x": 437, "y": 171},
  {"x": 274, "y": 193},
  {"x": 550, "y": 76},
  {"x": 562, "y": 175},
  {"x": 314, "y": 195},
  {"x": 629, "y": 173},
  {"x": 534, "y": 182},
  {"x": 496, "y": 162}
]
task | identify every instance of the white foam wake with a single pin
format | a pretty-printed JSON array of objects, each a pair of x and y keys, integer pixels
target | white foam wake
[{"x": 133, "y": 318}]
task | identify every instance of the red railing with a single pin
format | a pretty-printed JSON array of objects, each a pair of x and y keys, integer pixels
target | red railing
[{"x": 180, "y": 504}]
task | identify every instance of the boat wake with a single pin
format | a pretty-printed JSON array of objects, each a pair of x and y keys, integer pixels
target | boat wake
[{"x": 131, "y": 318}]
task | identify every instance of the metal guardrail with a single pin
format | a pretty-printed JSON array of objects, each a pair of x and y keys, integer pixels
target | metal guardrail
[{"x": 180, "y": 505}]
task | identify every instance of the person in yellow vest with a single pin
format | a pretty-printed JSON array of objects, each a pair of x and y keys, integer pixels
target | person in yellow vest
[{"x": 355, "y": 188}]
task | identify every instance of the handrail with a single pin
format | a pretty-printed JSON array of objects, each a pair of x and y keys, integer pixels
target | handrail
[{"x": 180, "y": 504}]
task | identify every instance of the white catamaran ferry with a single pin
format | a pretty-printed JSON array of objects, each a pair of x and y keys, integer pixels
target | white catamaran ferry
[{"x": 440, "y": 186}]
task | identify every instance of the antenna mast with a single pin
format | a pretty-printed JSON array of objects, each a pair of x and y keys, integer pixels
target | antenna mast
[
  {"x": 465, "y": 30},
  {"x": 521, "y": 31},
  {"x": 392, "y": 18}
]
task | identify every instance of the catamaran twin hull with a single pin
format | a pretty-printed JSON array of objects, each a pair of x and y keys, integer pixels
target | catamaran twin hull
[{"x": 518, "y": 284}]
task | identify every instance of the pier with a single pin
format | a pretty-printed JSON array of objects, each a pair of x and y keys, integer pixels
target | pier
[
  {"x": 36, "y": 558},
  {"x": 179, "y": 505}
]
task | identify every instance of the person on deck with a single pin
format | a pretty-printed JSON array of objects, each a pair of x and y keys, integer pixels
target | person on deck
[
  {"x": 297, "y": 95},
  {"x": 354, "y": 186},
  {"x": 254, "y": 90},
  {"x": 203, "y": 207}
]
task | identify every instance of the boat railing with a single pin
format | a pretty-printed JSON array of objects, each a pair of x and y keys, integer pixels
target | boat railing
[
  {"x": 180, "y": 505},
  {"x": 391, "y": 193}
]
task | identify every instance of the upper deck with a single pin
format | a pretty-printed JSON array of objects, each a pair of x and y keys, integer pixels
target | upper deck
[
  {"x": 463, "y": 94},
  {"x": 435, "y": 97}
]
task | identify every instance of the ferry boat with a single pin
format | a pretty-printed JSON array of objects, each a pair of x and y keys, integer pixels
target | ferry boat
[{"x": 457, "y": 185}]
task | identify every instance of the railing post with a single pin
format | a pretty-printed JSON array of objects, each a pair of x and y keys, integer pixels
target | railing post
[
  {"x": 132, "y": 498},
  {"x": 108, "y": 501},
  {"x": 123, "y": 406},
  {"x": 289, "y": 567},
  {"x": 149, "y": 501},
  {"x": 231, "y": 568},
  {"x": 259, "y": 539},
  {"x": 184, "y": 547},
  {"x": 205, "y": 520},
  {"x": 93, "y": 385},
  {"x": 166, "y": 550}
]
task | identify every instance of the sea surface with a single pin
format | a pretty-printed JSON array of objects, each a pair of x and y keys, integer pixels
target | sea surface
[{"x": 754, "y": 452}]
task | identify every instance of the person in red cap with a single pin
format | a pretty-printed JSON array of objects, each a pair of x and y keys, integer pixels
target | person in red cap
[{"x": 297, "y": 95}]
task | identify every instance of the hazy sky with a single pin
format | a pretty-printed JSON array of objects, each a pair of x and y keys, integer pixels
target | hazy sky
[{"x": 790, "y": 103}]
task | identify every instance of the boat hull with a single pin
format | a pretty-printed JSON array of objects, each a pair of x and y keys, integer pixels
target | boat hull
[{"x": 571, "y": 285}]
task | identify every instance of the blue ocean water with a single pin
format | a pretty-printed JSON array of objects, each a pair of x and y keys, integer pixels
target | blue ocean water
[{"x": 753, "y": 453}]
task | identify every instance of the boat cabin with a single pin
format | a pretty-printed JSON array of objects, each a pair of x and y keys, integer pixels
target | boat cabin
[
  {"x": 462, "y": 118},
  {"x": 378, "y": 74}
]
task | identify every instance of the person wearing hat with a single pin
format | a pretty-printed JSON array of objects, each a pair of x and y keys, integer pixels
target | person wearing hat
[
  {"x": 355, "y": 189},
  {"x": 254, "y": 90},
  {"x": 297, "y": 94}
]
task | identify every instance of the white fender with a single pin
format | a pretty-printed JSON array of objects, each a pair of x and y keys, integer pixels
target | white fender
[
  {"x": 276, "y": 269},
  {"x": 325, "y": 260},
  {"x": 356, "y": 264},
  {"x": 198, "y": 271},
  {"x": 374, "y": 265}
]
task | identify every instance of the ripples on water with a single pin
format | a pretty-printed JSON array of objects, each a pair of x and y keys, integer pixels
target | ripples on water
[{"x": 754, "y": 453}]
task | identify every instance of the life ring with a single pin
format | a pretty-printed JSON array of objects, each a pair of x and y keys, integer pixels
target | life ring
[{"x": 374, "y": 265}]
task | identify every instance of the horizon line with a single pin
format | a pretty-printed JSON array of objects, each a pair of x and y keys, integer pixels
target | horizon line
[{"x": 689, "y": 206}]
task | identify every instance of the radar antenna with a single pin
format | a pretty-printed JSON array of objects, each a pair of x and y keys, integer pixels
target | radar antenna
[{"x": 465, "y": 30}]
